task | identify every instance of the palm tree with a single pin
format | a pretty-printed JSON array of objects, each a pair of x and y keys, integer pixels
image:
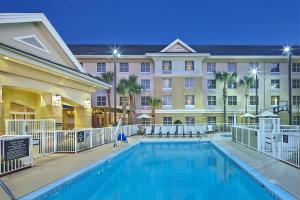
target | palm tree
[
  {"x": 133, "y": 89},
  {"x": 108, "y": 77},
  {"x": 247, "y": 82},
  {"x": 225, "y": 77},
  {"x": 153, "y": 102},
  {"x": 123, "y": 91}
]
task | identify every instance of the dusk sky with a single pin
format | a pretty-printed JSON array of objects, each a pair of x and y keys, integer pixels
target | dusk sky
[{"x": 162, "y": 21}]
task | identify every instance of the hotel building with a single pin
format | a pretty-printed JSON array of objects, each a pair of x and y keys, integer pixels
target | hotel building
[{"x": 182, "y": 76}]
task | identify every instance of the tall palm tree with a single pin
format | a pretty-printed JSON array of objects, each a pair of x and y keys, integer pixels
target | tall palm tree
[
  {"x": 225, "y": 77},
  {"x": 247, "y": 82},
  {"x": 123, "y": 91},
  {"x": 133, "y": 90},
  {"x": 108, "y": 77},
  {"x": 153, "y": 102}
]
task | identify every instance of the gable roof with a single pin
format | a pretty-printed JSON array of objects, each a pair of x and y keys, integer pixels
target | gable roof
[
  {"x": 40, "y": 17},
  {"x": 181, "y": 43}
]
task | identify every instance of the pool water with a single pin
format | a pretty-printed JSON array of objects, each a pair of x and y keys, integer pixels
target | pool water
[{"x": 165, "y": 171}]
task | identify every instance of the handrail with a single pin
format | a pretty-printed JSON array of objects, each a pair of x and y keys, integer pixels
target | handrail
[{"x": 7, "y": 190}]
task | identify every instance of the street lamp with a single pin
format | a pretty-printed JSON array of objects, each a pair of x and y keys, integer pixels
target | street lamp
[
  {"x": 287, "y": 50},
  {"x": 116, "y": 55},
  {"x": 255, "y": 72}
]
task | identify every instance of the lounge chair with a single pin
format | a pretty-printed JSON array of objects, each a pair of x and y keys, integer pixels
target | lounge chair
[
  {"x": 157, "y": 131},
  {"x": 189, "y": 130},
  {"x": 209, "y": 129},
  {"x": 173, "y": 130},
  {"x": 165, "y": 131},
  {"x": 148, "y": 130},
  {"x": 180, "y": 130}
]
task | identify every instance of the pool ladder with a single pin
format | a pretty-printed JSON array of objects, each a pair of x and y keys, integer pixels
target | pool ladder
[{"x": 7, "y": 190}]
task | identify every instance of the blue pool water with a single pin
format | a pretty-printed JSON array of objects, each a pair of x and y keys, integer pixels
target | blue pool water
[{"x": 165, "y": 171}]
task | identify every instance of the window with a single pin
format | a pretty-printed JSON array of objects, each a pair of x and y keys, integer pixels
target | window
[
  {"x": 253, "y": 100},
  {"x": 167, "y": 120},
  {"x": 145, "y": 121},
  {"x": 211, "y": 120},
  {"x": 296, "y": 67},
  {"x": 232, "y": 84},
  {"x": 232, "y": 67},
  {"x": 211, "y": 67},
  {"x": 230, "y": 119},
  {"x": 167, "y": 100},
  {"x": 211, "y": 84},
  {"x": 101, "y": 67},
  {"x": 274, "y": 100},
  {"x": 296, "y": 100},
  {"x": 232, "y": 100},
  {"x": 145, "y": 67},
  {"x": 101, "y": 100},
  {"x": 189, "y": 65},
  {"x": 190, "y": 120},
  {"x": 166, "y": 67},
  {"x": 296, "y": 120},
  {"x": 275, "y": 84},
  {"x": 124, "y": 67},
  {"x": 126, "y": 99},
  {"x": 189, "y": 100},
  {"x": 189, "y": 82},
  {"x": 211, "y": 100},
  {"x": 167, "y": 83},
  {"x": 145, "y": 83},
  {"x": 145, "y": 101},
  {"x": 253, "y": 85},
  {"x": 275, "y": 68},
  {"x": 296, "y": 83}
]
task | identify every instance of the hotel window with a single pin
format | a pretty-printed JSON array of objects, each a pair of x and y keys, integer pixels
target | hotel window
[
  {"x": 274, "y": 100},
  {"x": 211, "y": 84},
  {"x": 253, "y": 100},
  {"x": 101, "y": 100},
  {"x": 296, "y": 67},
  {"x": 296, "y": 120},
  {"x": 145, "y": 83},
  {"x": 232, "y": 84},
  {"x": 232, "y": 100},
  {"x": 145, "y": 67},
  {"x": 124, "y": 67},
  {"x": 126, "y": 99},
  {"x": 166, "y": 67},
  {"x": 167, "y": 100},
  {"x": 230, "y": 119},
  {"x": 296, "y": 100},
  {"x": 190, "y": 120},
  {"x": 211, "y": 67},
  {"x": 232, "y": 67},
  {"x": 189, "y": 65},
  {"x": 296, "y": 83},
  {"x": 189, "y": 100},
  {"x": 252, "y": 85},
  {"x": 275, "y": 68},
  {"x": 189, "y": 82},
  {"x": 211, "y": 100},
  {"x": 275, "y": 84},
  {"x": 145, "y": 101},
  {"x": 167, "y": 120},
  {"x": 167, "y": 83},
  {"x": 211, "y": 120},
  {"x": 101, "y": 67},
  {"x": 145, "y": 121}
]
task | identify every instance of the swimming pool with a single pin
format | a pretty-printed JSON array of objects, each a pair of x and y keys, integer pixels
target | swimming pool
[{"x": 163, "y": 170}]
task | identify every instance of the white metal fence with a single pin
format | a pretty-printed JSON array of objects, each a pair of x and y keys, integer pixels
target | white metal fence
[{"x": 15, "y": 153}]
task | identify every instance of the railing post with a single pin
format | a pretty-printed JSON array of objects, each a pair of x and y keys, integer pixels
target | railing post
[
  {"x": 55, "y": 136},
  {"x": 91, "y": 138},
  {"x": 75, "y": 139},
  {"x": 249, "y": 137}
]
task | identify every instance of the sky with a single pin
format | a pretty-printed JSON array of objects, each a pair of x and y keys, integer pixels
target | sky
[{"x": 162, "y": 21}]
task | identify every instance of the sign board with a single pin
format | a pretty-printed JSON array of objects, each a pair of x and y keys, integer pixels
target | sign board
[
  {"x": 17, "y": 148},
  {"x": 80, "y": 136}
]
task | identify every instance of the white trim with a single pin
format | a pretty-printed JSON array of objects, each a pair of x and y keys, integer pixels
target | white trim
[
  {"x": 110, "y": 56},
  {"x": 190, "y": 55},
  {"x": 20, "y": 39},
  {"x": 40, "y": 17},
  {"x": 181, "y": 43}
]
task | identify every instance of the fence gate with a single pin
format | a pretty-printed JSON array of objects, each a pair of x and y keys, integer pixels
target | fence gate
[{"x": 42, "y": 131}]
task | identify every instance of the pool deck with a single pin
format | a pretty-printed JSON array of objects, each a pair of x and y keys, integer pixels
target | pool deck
[{"x": 53, "y": 167}]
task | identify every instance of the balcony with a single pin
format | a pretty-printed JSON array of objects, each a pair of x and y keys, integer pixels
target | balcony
[
  {"x": 167, "y": 89},
  {"x": 189, "y": 106}
]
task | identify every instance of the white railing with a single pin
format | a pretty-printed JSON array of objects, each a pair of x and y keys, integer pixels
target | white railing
[
  {"x": 246, "y": 136},
  {"x": 15, "y": 153}
]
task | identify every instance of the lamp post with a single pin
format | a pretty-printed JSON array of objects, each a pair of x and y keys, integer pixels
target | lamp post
[
  {"x": 287, "y": 51},
  {"x": 116, "y": 55},
  {"x": 254, "y": 72}
]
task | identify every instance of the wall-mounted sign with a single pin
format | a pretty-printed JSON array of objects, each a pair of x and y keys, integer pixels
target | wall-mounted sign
[
  {"x": 80, "y": 136},
  {"x": 17, "y": 148}
]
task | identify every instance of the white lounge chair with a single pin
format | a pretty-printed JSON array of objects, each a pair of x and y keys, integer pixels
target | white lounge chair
[
  {"x": 173, "y": 131},
  {"x": 209, "y": 129},
  {"x": 148, "y": 130},
  {"x": 157, "y": 131},
  {"x": 165, "y": 131},
  {"x": 180, "y": 130}
]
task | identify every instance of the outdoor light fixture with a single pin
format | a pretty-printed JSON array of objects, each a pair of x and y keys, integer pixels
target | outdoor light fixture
[
  {"x": 57, "y": 100},
  {"x": 87, "y": 103},
  {"x": 287, "y": 50},
  {"x": 116, "y": 55}
]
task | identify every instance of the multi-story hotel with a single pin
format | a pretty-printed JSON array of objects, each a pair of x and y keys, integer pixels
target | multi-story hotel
[{"x": 182, "y": 76}]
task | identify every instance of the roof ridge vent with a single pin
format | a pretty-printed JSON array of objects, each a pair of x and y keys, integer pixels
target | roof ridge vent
[{"x": 32, "y": 41}]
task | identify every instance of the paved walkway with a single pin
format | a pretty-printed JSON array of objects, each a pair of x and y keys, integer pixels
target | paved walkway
[{"x": 51, "y": 168}]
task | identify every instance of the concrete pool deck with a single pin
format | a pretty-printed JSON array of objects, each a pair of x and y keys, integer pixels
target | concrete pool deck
[{"x": 53, "y": 167}]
